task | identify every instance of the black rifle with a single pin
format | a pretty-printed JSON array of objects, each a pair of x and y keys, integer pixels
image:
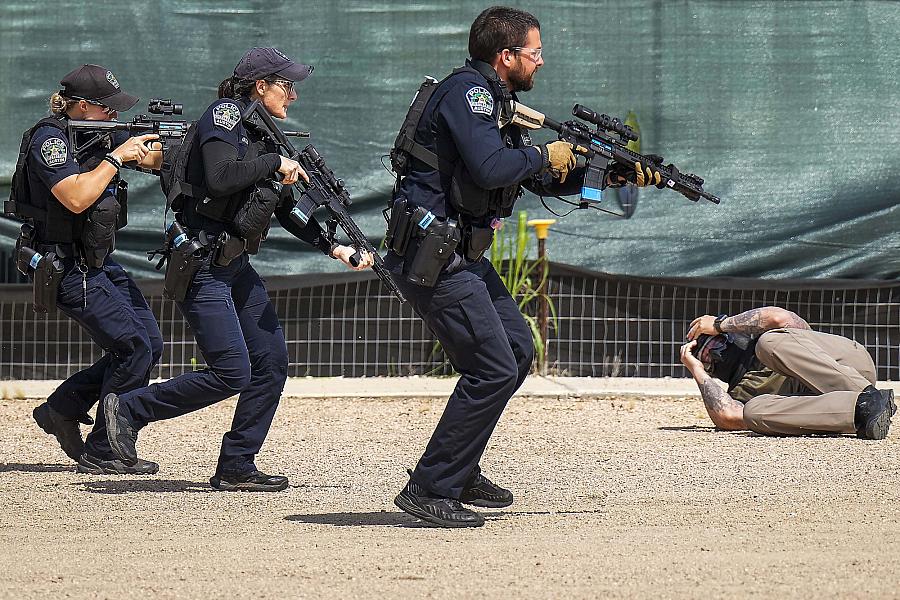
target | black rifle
[
  {"x": 323, "y": 190},
  {"x": 169, "y": 131},
  {"x": 604, "y": 145}
]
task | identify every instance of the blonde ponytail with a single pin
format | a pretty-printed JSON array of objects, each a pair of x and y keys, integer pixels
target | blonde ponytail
[{"x": 59, "y": 104}]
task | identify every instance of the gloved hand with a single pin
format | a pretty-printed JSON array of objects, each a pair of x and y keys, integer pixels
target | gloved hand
[
  {"x": 560, "y": 158},
  {"x": 648, "y": 174},
  {"x": 639, "y": 174}
]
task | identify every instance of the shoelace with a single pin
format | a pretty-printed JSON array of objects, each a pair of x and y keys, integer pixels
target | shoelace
[{"x": 479, "y": 479}]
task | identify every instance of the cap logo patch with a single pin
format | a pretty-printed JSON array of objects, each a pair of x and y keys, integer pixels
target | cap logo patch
[
  {"x": 480, "y": 100},
  {"x": 226, "y": 115},
  {"x": 54, "y": 152},
  {"x": 279, "y": 53},
  {"x": 112, "y": 79}
]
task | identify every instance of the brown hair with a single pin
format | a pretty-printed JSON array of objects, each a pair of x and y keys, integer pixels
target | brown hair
[{"x": 497, "y": 28}]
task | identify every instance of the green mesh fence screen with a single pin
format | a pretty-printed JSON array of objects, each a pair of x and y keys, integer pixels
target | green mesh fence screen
[{"x": 789, "y": 110}]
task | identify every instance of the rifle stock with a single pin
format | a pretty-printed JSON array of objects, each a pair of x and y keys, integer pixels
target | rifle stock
[{"x": 168, "y": 131}]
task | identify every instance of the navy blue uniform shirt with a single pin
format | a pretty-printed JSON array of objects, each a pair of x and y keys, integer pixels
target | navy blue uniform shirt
[
  {"x": 51, "y": 159},
  {"x": 460, "y": 122}
]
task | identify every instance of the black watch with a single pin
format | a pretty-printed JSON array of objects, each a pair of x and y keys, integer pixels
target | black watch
[{"x": 717, "y": 324}]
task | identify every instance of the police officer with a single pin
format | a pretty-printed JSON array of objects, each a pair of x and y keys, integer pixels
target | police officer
[
  {"x": 72, "y": 211},
  {"x": 464, "y": 176},
  {"x": 226, "y": 303},
  {"x": 784, "y": 378}
]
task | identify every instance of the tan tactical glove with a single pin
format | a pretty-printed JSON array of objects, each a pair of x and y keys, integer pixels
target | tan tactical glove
[
  {"x": 637, "y": 173},
  {"x": 648, "y": 174},
  {"x": 559, "y": 158}
]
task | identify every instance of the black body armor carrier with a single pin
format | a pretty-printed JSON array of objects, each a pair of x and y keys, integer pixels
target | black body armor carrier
[
  {"x": 92, "y": 232},
  {"x": 244, "y": 214},
  {"x": 465, "y": 197},
  {"x": 60, "y": 224}
]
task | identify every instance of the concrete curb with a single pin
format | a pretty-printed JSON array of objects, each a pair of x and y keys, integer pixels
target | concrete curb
[{"x": 438, "y": 387}]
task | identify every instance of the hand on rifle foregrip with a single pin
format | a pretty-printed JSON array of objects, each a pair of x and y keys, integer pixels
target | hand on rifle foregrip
[
  {"x": 560, "y": 158},
  {"x": 647, "y": 173},
  {"x": 353, "y": 258}
]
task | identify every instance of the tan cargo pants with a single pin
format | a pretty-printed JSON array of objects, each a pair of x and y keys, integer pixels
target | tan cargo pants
[{"x": 836, "y": 367}]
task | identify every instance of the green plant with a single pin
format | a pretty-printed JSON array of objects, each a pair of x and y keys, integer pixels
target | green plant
[{"x": 523, "y": 278}]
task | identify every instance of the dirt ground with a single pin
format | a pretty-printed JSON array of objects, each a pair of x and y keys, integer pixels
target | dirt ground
[{"x": 615, "y": 497}]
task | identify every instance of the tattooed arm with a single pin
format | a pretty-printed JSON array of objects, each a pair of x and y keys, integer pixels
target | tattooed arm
[
  {"x": 753, "y": 322},
  {"x": 725, "y": 412}
]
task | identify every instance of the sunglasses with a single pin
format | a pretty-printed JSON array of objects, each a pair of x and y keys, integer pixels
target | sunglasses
[
  {"x": 534, "y": 53},
  {"x": 106, "y": 110},
  {"x": 287, "y": 86}
]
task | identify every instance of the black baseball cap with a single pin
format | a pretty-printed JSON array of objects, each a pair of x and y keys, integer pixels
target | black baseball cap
[
  {"x": 259, "y": 63},
  {"x": 93, "y": 82}
]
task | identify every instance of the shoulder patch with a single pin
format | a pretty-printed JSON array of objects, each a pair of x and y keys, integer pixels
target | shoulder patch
[
  {"x": 226, "y": 115},
  {"x": 54, "y": 152},
  {"x": 480, "y": 100}
]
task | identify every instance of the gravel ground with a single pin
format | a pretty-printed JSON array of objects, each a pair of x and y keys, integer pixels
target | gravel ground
[{"x": 615, "y": 497}]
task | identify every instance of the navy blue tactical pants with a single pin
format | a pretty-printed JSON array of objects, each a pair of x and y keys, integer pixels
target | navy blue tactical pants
[
  {"x": 116, "y": 316},
  {"x": 242, "y": 342},
  {"x": 483, "y": 333}
]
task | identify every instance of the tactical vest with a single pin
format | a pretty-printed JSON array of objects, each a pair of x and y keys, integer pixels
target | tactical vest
[
  {"x": 465, "y": 196},
  {"x": 246, "y": 213},
  {"x": 59, "y": 223}
]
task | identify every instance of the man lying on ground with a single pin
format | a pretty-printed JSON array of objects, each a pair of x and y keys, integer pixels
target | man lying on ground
[{"x": 784, "y": 378}]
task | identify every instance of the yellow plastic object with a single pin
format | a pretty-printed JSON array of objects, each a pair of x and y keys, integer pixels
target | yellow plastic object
[{"x": 541, "y": 227}]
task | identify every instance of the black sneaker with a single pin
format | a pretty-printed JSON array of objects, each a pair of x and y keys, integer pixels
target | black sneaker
[
  {"x": 481, "y": 491},
  {"x": 443, "y": 512},
  {"x": 111, "y": 466},
  {"x": 122, "y": 436},
  {"x": 64, "y": 428},
  {"x": 874, "y": 409},
  {"x": 253, "y": 481}
]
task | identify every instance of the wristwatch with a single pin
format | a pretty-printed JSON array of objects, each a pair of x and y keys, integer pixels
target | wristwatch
[{"x": 717, "y": 324}]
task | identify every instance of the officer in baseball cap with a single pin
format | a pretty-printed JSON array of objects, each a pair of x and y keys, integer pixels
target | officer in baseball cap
[
  {"x": 96, "y": 84},
  {"x": 72, "y": 205},
  {"x": 259, "y": 63},
  {"x": 234, "y": 164}
]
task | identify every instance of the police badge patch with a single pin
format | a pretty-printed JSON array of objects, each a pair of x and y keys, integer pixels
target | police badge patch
[
  {"x": 54, "y": 152},
  {"x": 480, "y": 100},
  {"x": 112, "y": 79},
  {"x": 226, "y": 115}
]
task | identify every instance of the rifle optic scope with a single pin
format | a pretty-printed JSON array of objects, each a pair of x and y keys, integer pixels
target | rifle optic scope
[
  {"x": 606, "y": 122},
  {"x": 164, "y": 107}
]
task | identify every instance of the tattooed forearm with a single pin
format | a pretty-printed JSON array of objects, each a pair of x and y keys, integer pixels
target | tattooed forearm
[
  {"x": 746, "y": 322},
  {"x": 719, "y": 404},
  {"x": 760, "y": 320}
]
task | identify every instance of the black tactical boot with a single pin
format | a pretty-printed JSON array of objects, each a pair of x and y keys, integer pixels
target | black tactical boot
[
  {"x": 443, "y": 512},
  {"x": 64, "y": 428},
  {"x": 481, "y": 491},
  {"x": 252, "y": 481},
  {"x": 112, "y": 466},
  {"x": 874, "y": 409},
  {"x": 121, "y": 434}
]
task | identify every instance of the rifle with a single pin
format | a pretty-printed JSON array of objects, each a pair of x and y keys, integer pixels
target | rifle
[
  {"x": 604, "y": 145},
  {"x": 323, "y": 190},
  {"x": 169, "y": 131}
]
